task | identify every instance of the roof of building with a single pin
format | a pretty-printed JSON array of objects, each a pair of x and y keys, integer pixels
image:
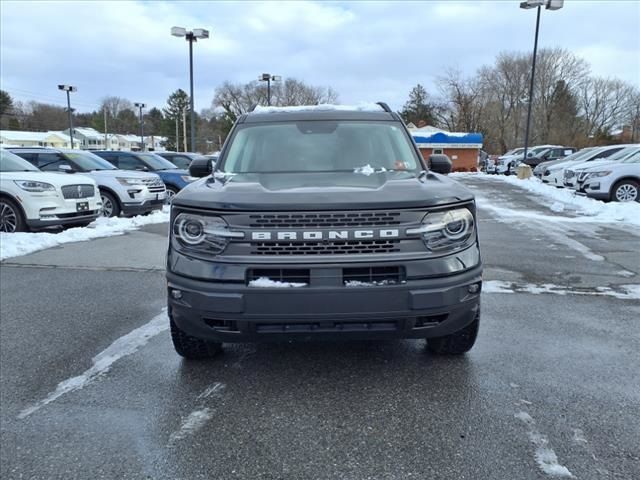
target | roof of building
[
  {"x": 88, "y": 132},
  {"x": 25, "y": 136}
]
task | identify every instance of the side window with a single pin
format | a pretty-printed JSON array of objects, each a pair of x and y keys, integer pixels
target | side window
[
  {"x": 112, "y": 159},
  {"x": 29, "y": 157},
  {"x": 51, "y": 161},
  {"x": 568, "y": 152},
  {"x": 437, "y": 151},
  {"x": 129, "y": 162},
  {"x": 180, "y": 161},
  {"x": 609, "y": 152}
]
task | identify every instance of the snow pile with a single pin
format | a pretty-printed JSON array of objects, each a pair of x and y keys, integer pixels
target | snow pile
[
  {"x": 596, "y": 210},
  {"x": 324, "y": 107},
  {"x": 264, "y": 282},
  {"x": 23, "y": 243},
  {"x": 357, "y": 283},
  {"x": 368, "y": 170},
  {"x": 624, "y": 292}
]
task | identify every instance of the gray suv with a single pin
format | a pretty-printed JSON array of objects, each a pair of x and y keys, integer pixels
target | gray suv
[
  {"x": 122, "y": 192},
  {"x": 323, "y": 223}
]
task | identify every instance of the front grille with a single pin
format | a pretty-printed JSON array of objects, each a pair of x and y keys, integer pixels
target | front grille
[
  {"x": 320, "y": 327},
  {"x": 77, "y": 214},
  {"x": 155, "y": 185},
  {"x": 582, "y": 176},
  {"x": 325, "y": 248},
  {"x": 569, "y": 174},
  {"x": 373, "y": 275},
  {"x": 325, "y": 220},
  {"x": 285, "y": 275},
  {"x": 78, "y": 191}
]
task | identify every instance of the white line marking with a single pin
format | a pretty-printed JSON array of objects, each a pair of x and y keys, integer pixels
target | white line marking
[
  {"x": 545, "y": 456},
  {"x": 194, "y": 422},
  {"x": 123, "y": 346},
  {"x": 214, "y": 389}
]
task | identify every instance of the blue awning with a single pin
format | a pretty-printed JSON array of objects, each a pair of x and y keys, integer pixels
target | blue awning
[{"x": 462, "y": 140}]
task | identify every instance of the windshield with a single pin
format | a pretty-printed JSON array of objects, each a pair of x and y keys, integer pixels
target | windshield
[
  {"x": 155, "y": 162},
  {"x": 623, "y": 154},
  {"x": 578, "y": 155},
  {"x": 88, "y": 161},
  {"x": 10, "y": 162},
  {"x": 633, "y": 158},
  {"x": 320, "y": 146}
]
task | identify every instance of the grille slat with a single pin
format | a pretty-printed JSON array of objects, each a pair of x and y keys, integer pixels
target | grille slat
[
  {"x": 78, "y": 191},
  {"x": 325, "y": 220},
  {"x": 325, "y": 248}
]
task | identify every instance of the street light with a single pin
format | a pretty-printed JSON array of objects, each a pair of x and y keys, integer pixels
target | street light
[
  {"x": 197, "y": 33},
  {"x": 140, "y": 106},
  {"x": 69, "y": 89},
  {"x": 267, "y": 77},
  {"x": 528, "y": 4}
]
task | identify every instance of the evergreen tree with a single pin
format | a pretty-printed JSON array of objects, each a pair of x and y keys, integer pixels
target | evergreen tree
[{"x": 418, "y": 107}]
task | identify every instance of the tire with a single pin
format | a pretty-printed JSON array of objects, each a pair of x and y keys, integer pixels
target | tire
[
  {"x": 458, "y": 342},
  {"x": 626, "y": 191},
  {"x": 110, "y": 205},
  {"x": 11, "y": 217},
  {"x": 191, "y": 347},
  {"x": 171, "y": 191}
]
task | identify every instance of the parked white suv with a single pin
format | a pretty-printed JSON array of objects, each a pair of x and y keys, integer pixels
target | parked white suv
[
  {"x": 507, "y": 164},
  {"x": 617, "y": 181},
  {"x": 572, "y": 173},
  {"x": 123, "y": 192},
  {"x": 554, "y": 174},
  {"x": 31, "y": 199}
]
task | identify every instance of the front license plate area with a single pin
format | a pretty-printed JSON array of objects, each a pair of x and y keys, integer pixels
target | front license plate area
[{"x": 82, "y": 206}]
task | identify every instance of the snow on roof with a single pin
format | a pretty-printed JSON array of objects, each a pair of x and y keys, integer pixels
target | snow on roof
[
  {"x": 89, "y": 133},
  {"x": 432, "y": 135},
  {"x": 361, "y": 107},
  {"x": 24, "y": 136}
]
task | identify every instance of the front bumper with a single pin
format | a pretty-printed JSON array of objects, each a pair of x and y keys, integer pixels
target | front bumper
[
  {"x": 235, "y": 312},
  {"x": 131, "y": 209},
  {"x": 42, "y": 210}
]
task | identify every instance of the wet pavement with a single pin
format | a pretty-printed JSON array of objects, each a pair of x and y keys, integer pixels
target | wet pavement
[{"x": 551, "y": 386}]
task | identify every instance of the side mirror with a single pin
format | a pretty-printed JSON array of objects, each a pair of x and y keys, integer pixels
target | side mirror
[
  {"x": 66, "y": 168},
  {"x": 439, "y": 163},
  {"x": 200, "y": 167},
  {"x": 529, "y": 154},
  {"x": 143, "y": 169}
]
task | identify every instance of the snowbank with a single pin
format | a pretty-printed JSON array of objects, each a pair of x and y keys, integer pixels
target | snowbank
[
  {"x": 22, "y": 243},
  {"x": 560, "y": 198}
]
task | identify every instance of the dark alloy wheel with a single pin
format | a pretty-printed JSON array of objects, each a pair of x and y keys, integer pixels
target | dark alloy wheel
[
  {"x": 110, "y": 206},
  {"x": 191, "y": 347},
  {"x": 11, "y": 219},
  {"x": 458, "y": 342}
]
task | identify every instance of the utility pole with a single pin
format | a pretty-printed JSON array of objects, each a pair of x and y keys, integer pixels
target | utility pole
[
  {"x": 141, "y": 106},
  {"x": 184, "y": 127},
  {"x": 105, "y": 129},
  {"x": 68, "y": 89},
  {"x": 177, "y": 142}
]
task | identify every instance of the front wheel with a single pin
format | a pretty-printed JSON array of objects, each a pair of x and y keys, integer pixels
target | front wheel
[
  {"x": 110, "y": 206},
  {"x": 458, "y": 342},
  {"x": 626, "y": 191},
  {"x": 11, "y": 218},
  {"x": 171, "y": 192},
  {"x": 191, "y": 347}
]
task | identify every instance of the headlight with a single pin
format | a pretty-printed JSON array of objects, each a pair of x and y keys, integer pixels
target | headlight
[
  {"x": 448, "y": 230},
  {"x": 203, "y": 233},
  {"x": 31, "y": 186},
  {"x": 188, "y": 178},
  {"x": 603, "y": 173},
  {"x": 127, "y": 182}
]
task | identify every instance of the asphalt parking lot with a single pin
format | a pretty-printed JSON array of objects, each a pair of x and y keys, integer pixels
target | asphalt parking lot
[{"x": 551, "y": 386}]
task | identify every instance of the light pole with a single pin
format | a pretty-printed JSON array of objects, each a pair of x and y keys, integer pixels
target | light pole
[
  {"x": 69, "y": 89},
  {"x": 192, "y": 36},
  {"x": 528, "y": 4},
  {"x": 267, "y": 77},
  {"x": 140, "y": 106}
]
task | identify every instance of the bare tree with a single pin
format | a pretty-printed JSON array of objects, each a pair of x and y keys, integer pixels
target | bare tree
[
  {"x": 605, "y": 103},
  {"x": 462, "y": 106}
]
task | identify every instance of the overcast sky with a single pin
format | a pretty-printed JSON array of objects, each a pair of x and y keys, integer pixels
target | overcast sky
[{"x": 366, "y": 51}]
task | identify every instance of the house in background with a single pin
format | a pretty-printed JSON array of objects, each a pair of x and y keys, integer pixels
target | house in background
[
  {"x": 21, "y": 138},
  {"x": 88, "y": 138},
  {"x": 462, "y": 148}
]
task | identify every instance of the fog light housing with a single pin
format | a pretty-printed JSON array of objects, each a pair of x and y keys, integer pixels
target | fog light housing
[
  {"x": 473, "y": 288},
  {"x": 176, "y": 294}
]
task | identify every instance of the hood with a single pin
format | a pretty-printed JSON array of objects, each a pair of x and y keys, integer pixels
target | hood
[
  {"x": 56, "y": 179},
  {"x": 123, "y": 173},
  {"x": 322, "y": 191},
  {"x": 595, "y": 166},
  {"x": 588, "y": 165},
  {"x": 174, "y": 171}
]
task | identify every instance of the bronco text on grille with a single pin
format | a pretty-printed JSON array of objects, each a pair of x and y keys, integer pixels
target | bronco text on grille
[{"x": 322, "y": 223}]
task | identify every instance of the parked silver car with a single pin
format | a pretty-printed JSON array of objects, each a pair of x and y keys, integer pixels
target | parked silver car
[{"x": 123, "y": 192}]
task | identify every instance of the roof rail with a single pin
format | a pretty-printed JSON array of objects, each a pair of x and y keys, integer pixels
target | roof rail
[{"x": 384, "y": 106}]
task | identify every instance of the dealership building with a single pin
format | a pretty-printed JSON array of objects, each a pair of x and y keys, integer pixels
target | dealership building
[{"x": 461, "y": 148}]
